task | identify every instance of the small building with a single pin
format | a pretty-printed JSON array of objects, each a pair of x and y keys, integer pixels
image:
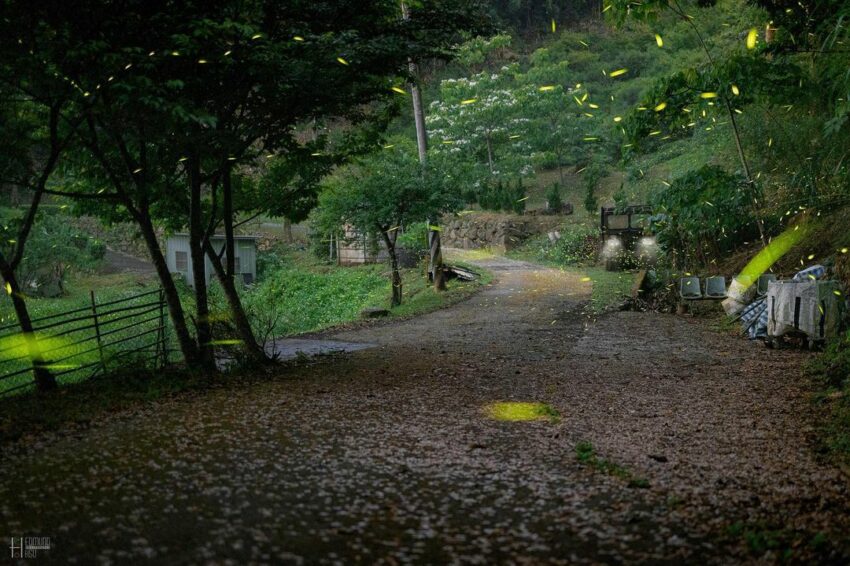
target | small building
[
  {"x": 178, "y": 257},
  {"x": 355, "y": 248}
]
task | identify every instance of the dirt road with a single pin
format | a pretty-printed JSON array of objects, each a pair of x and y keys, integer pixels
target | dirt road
[{"x": 388, "y": 454}]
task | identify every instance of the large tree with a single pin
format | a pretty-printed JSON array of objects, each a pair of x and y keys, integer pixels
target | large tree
[
  {"x": 382, "y": 193},
  {"x": 173, "y": 96}
]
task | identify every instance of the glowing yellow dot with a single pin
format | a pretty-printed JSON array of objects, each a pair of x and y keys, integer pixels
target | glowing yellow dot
[{"x": 751, "y": 38}]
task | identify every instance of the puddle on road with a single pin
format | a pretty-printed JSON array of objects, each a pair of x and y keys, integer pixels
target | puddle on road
[{"x": 289, "y": 348}]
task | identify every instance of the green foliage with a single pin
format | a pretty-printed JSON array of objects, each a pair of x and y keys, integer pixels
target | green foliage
[
  {"x": 386, "y": 190},
  {"x": 591, "y": 203},
  {"x": 474, "y": 52},
  {"x": 553, "y": 198},
  {"x": 518, "y": 198},
  {"x": 307, "y": 298},
  {"x": 479, "y": 126},
  {"x": 707, "y": 213},
  {"x": 415, "y": 239},
  {"x": 298, "y": 294},
  {"x": 610, "y": 288},
  {"x": 499, "y": 195},
  {"x": 577, "y": 245},
  {"x": 54, "y": 248},
  {"x": 592, "y": 175},
  {"x": 621, "y": 199},
  {"x": 833, "y": 366},
  {"x": 534, "y": 17}
]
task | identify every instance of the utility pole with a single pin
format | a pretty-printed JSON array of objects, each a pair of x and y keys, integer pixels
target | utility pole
[{"x": 435, "y": 259}]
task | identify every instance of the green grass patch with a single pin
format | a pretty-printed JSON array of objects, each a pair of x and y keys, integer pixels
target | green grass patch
[
  {"x": 586, "y": 454},
  {"x": 610, "y": 288},
  {"x": 308, "y": 295},
  {"x": 77, "y": 355},
  {"x": 420, "y": 296},
  {"x": 784, "y": 544}
]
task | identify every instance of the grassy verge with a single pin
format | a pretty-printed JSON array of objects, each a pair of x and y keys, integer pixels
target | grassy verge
[
  {"x": 610, "y": 288},
  {"x": 420, "y": 296},
  {"x": 303, "y": 294},
  {"x": 831, "y": 375},
  {"x": 127, "y": 317}
]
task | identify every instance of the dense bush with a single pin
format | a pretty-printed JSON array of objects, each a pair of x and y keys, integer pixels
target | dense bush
[
  {"x": 55, "y": 248},
  {"x": 415, "y": 239},
  {"x": 708, "y": 212},
  {"x": 554, "y": 202},
  {"x": 503, "y": 196},
  {"x": 577, "y": 245}
]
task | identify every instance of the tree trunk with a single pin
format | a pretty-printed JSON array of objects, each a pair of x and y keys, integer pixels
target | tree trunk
[
  {"x": 172, "y": 298},
  {"x": 390, "y": 242},
  {"x": 489, "y": 153},
  {"x": 196, "y": 250},
  {"x": 287, "y": 231},
  {"x": 243, "y": 325},
  {"x": 227, "y": 214},
  {"x": 226, "y": 276},
  {"x": 44, "y": 380}
]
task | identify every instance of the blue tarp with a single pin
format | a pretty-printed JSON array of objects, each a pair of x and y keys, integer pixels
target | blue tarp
[{"x": 754, "y": 319}]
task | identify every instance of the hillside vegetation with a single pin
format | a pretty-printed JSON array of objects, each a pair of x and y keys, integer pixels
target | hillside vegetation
[{"x": 636, "y": 105}]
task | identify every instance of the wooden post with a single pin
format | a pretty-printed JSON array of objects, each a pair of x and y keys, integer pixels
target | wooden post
[
  {"x": 97, "y": 331},
  {"x": 435, "y": 257}
]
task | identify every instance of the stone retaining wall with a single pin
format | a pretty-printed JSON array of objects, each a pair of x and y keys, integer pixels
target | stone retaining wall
[{"x": 486, "y": 230}]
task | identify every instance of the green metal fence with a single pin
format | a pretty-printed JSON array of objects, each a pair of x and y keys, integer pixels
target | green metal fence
[{"x": 97, "y": 339}]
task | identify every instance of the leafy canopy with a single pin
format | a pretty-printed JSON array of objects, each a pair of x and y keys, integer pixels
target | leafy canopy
[{"x": 386, "y": 191}]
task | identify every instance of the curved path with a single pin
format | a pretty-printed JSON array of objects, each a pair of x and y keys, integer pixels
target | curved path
[{"x": 388, "y": 455}]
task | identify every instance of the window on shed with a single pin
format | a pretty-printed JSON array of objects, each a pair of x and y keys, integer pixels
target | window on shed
[{"x": 181, "y": 260}]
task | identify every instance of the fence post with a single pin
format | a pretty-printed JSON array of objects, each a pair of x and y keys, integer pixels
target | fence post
[
  {"x": 97, "y": 331},
  {"x": 162, "y": 341}
]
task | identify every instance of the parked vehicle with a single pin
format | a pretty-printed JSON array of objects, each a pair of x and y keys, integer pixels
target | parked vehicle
[{"x": 626, "y": 237}]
